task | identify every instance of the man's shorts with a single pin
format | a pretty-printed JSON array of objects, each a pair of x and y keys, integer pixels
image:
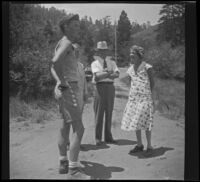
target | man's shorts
[{"x": 69, "y": 105}]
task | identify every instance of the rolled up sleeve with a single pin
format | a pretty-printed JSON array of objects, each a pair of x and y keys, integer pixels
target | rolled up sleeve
[{"x": 94, "y": 67}]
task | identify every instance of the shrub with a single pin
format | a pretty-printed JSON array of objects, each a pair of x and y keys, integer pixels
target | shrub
[
  {"x": 19, "y": 108},
  {"x": 168, "y": 62},
  {"x": 35, "y": 111},
  {"x": 30, "y": 73}
]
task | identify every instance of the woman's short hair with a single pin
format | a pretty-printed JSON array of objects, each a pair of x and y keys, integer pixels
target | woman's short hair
[{"x": 137, "y": 50}]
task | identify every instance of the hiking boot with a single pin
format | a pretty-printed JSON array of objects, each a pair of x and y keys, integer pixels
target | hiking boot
[
  {"x": 77, "y": 173},
  {"x": 63, "y": 168}
]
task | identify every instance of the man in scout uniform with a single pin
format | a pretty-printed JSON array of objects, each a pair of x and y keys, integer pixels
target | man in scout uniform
[{"x": 64, "y": 70}]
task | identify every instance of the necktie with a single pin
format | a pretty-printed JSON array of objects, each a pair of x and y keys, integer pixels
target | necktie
[{"x": 104, "y": 64}]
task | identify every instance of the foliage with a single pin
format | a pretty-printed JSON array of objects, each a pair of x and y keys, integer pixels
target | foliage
[
  {"x": 136, "y": 27},
  {"x": 123, "y": 38},
  {"x": 34, "y": 33},
  {"x": 168, "y": 62},
  {"x": 172, "y": 24},
  {"x": 30, "y": 74},
  {"x": 123, "y": 28},
  {"x": 87, "y": 41}
]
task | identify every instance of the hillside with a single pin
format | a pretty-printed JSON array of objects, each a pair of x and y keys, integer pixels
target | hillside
[{"x": 146, "y": 37}]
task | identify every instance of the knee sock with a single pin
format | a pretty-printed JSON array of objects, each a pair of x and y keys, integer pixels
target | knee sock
[
  {"x": 63, "y": 158},
  {"x": 73, "y": 164}
]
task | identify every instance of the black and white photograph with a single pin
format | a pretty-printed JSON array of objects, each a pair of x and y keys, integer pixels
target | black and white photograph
[{"x": 97, "y": 91}]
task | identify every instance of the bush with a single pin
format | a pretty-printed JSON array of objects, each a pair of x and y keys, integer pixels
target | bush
[
  {"x": 37, "y": 111},
  {"x": 123, "y": 58},
  {"x": 30, "y": 75},
  {"x": 171, "y": 97},
  {"x": 19, "y": 108},
  {"x": 168, "y": 62}
]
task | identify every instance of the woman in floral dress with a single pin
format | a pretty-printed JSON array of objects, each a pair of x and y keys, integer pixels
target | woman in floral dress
[{"x": 138, "y": 114}]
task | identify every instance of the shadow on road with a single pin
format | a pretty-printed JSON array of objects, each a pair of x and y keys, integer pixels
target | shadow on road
[
  {"x": 155, "y": 153},
  {"x": 121, "y": 96},
  {"x": 99, "y": 171},
  {"x": 125, "y": 142},
  {"x": 87, "y": 147}
]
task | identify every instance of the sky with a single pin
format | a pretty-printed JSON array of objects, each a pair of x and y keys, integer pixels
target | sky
[{"x": 140, "y": 13}]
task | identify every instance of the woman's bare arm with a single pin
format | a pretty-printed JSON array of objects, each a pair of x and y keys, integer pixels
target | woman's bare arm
[{"x": 151, "y": 79}]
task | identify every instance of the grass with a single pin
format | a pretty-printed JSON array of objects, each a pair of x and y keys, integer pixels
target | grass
[
  {"x": 171, "y": 93},
  {"x": 170, "y": 97},
  {"x": 35, "y": 112}
]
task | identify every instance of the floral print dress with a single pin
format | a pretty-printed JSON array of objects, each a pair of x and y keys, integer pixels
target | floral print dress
[{"x": 138, "y": 113}]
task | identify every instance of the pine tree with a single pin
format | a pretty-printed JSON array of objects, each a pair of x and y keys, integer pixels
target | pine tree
[
  {"x": 123, "y": 38},
  {"x": 123, "y": 28},
  {"x": 172, "y": 24}
]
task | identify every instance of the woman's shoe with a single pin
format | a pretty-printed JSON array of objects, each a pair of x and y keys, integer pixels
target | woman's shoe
[
  {"x": 149, "y": 152},
  {"x": 137, "y": 149}
]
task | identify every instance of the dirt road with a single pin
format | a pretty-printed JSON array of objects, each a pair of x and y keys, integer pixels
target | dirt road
[{"x": 34, "y": 152}]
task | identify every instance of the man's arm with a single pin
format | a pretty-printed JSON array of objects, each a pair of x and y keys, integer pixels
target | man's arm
[
  {"x": 65, "y": 46},
  {"x": 116, "y": 71},
  {"x": 114, "y": 75},
  {"x": 57, "y": 63},
  {"x": 102, "y": 75},
  {"x": 55, "y": 76},
  {"x": 98, "y": 75}
]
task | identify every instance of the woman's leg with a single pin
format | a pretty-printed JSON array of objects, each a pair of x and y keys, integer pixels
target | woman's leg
[
  {"x": 139, "y": 137},
  {"x": 148, "y": 136}
]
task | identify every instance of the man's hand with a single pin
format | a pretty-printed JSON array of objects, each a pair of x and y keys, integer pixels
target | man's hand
[
  {"x": 114, "y": 75},
  {"x": 57, "y": 91},
  {"x": 108, "y": 71}
]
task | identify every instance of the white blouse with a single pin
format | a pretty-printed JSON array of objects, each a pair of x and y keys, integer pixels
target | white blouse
[{"x": 97, "y": 66}]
